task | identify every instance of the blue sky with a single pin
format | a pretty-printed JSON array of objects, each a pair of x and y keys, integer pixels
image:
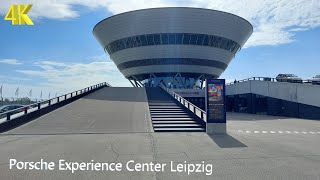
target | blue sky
[{"x": 60, "y": 54}]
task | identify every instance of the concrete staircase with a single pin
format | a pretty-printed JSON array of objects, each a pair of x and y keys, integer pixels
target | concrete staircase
[{"x": 168, "y": 115}]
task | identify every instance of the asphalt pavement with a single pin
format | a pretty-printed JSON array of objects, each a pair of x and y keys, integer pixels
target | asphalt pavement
[{"x": 255, "y": 147}]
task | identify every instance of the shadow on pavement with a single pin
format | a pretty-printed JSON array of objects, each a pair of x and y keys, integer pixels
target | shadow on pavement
[{"x": 226, "y": 141}]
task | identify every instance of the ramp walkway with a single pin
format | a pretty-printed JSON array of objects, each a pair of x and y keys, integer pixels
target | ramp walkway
[{"x": 108, "y": 110}]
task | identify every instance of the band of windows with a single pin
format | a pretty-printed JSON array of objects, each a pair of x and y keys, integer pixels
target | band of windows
[
  {"x": 172, "y": 61},
  {"x": 173, "y": 38}
]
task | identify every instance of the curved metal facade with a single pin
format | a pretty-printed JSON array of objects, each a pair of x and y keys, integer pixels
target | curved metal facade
[{"x": 175, "y": 46}]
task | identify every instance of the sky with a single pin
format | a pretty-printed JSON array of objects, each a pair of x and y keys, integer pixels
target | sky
[{"x": 59, "y": 54}]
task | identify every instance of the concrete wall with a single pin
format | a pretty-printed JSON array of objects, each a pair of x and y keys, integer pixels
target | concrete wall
[{"x": 300, "y": 93}]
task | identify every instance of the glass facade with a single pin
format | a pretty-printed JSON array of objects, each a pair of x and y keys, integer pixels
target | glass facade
[
  {"x": 173, "y": 38},
  {"x": 171, "y": 82},
  {"x": 172, "y": 61}
]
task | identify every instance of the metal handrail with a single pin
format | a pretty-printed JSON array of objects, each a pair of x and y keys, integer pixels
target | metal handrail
[
  {"x": 195, "y": 109},
  {"x": 49, "y": 101},
  {"x": 263, "y": 79},
  {"x": 254, "y": 79}
]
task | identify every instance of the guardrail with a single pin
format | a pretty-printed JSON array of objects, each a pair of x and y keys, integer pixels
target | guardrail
[
  {"x": 262, "y": 79},
  {"x": 254, "y": 79},
  {"x": 50, "y": 102},
  {"x": 193, "y": 108}
]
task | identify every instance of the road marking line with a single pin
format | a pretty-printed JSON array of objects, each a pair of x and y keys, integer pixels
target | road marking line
[{"x": 280, "y": 132}]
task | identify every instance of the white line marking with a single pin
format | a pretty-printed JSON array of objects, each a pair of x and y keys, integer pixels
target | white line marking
[{"x": 280, "y": 132}]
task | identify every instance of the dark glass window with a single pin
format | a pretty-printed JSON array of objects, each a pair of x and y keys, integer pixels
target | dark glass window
[
  {"x": 133, "y": 40},
  {"x": 116, "y": 46},
  {"x": 164, "y": 39},
  {"x": 200, "y": 39},
  {"x": 172, "y": 61},
  {"x": 206, "y": 40},
  {"x": 193, "y": 39},
  {"x": 218, "y": 42},
  {"x": 156, "y": 39},
  {"x": 128, "y": 42},
  {"x": 172, "y": 39},
  {"x": 150, "y": 39},
  {"x": 143, "y": 40},
  {"x": 138, "y": 41},
  {"x": 186, "y": 38},
  {"x": 179, "y": 38},
  {"x": 122, "y": 45}
]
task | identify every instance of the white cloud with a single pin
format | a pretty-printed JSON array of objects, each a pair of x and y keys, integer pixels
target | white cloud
[
  {"x": 10, "y": 61},
  {"x": 57, "y": 77},
  {"x": 275, "y": 21}
]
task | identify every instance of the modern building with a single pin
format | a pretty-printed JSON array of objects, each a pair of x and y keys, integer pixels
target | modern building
[{"x": 178, "y": 47}]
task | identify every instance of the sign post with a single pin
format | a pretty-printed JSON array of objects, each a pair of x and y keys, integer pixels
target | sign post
[{"x": 215, "y": 106}]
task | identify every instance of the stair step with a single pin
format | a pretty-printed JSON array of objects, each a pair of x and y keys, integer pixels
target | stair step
[
  {"x": 163, "y": 104},
  {"x": 174, "y": 122},
  {"x": 171, "y": 119},
  {"x": 161, "y": 107},
  {"x": 176, "y": 125},
  {"x": 168, "y": 112},
  {"x": 179, "y": 130},
  {"x": 164, "y": 111},
  {"x": 170, "y": 116}
]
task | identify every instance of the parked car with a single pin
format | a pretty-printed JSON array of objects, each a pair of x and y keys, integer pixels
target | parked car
[
  {"x": 315, "y": 80},
  {"x": 6, "y": 108},
  {"x": 288, "y": 78}
]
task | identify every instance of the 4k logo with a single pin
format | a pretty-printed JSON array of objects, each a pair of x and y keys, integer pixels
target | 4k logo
[{"x": 18, "y": 14}]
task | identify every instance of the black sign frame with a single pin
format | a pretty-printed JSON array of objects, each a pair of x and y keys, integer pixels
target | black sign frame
[{"x": 216, "y": 101}]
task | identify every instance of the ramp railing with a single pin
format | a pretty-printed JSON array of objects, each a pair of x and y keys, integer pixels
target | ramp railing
[
  {"x": 50, "y": 102},
  {"x": 193, "y": 108}
]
